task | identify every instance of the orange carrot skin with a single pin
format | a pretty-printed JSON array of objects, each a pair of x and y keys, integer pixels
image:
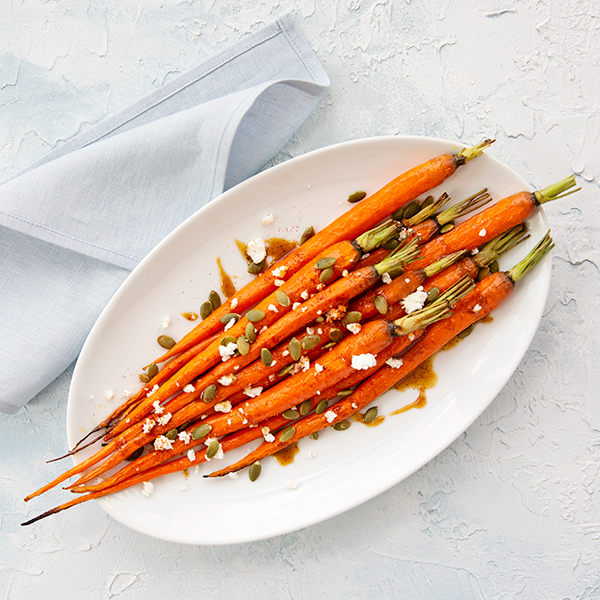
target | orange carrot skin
[
  {"x": 479, "y": 229},
  {"x": 361, "y": 217},
  {"x": 443, "y": 280}
]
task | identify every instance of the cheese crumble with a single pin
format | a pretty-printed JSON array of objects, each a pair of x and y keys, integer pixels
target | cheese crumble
[
  {"x": 395, "y": 363},
  {"x": 189, "y": 388},
  {"x": 363, "y": 361},
  {"x": 267, "y": 220},
  {"x": 256, "y": 250},
  {"x": 147, "y": 488},
  {"x": 162, "y": 443},
  {"x": 414, "y": 301}
]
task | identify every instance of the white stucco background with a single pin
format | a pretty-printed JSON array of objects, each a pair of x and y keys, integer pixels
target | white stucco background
[{"x": 511, "y": 509}]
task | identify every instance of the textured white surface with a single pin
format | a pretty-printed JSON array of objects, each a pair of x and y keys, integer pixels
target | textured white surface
[{"x": 511, "y": 509}]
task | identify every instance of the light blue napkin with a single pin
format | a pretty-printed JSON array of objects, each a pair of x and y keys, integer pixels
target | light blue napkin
[{"x": 73, "y": 224}]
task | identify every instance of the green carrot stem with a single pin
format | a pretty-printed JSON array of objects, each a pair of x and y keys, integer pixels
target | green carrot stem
[
  {"x": 503, "y": 243},
  {"x": 467, "y": 154},
  {"x": 463, "y": 208},
  {"x": 427, "y": 211},
  {"x": 394, "y": 262},
  {"x": 533, "y": 258},
  {"x": 373, "y": 238},
  {"x": 443, "y": 263},
  {"x": 556, "y": 190}
]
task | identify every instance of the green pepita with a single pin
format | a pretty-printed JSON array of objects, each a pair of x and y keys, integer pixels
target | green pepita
[
  {"x": 325, "y": 263},
  {"x": 336, "y": 335},
  {"x": 381, "y": 304},
  {"x": 311, "y": 341},
  {"x": 212, "y": 449},
  {"x": 254, "y": 471},
  {"x": 250, "y": 333},
  {"x": 135, "y": 454},
  {"x": 171, "y": 434},
  {"x": 314, "y": 435},
  {"x": 371, "y": 414},
  {"x": 286, "y": 370},
  {"x": 326, "y": 275},
  {"x": 398, "y": 215},
  {"x": 307, "y": 234},
  {"x": 226, "y": 318},
  {"x": 494, "y": 267},
  {"x": 206, "y": 309},
  {"x": 466, "y": 332},
  {"x": 228, "y": 339},
  {"x": 256, "y": 268},
  {"x": 266, "y": 357},
  {"x": 209, "y": 392},
  {"x": 390, "y": 244},
  {"x": 447, "y": 227},
  {"x": 287, "y": 434},
  {"x": 304, "y": 408},
  {"x": 433, "y": 294},
  {"x": 322, "y": 406},
  {"x": 295, "y": 349},
  {"x": 356, "y": 196},
  {"x": 255, "y": 315},
  {"x": 328, "y": 345},
  {"x": 144, "y": 378},
  {"x": 165, "y": 341},
  {"x": 183, "y": 426},
  {"x": 243, "y": 345},
  {"x": 482, "y": 274},
  {"x": 152, "y": 370},
  {"x": 282, "y": 298},
  {"x": 352, "y": 317},
  {"x": 291, "y": 414},
  {"x": 411, "y": 210},
  {"x": 201, "y": 431},
  {"x": 214, "y": 299},
  {"x": 345, "y": 393},
  {"x": 427, "y": 201},
  {"x": 342, "y": 426}
]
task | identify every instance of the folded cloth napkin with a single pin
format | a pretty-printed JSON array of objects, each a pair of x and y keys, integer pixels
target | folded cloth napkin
[{"x": 73, "y": 224}]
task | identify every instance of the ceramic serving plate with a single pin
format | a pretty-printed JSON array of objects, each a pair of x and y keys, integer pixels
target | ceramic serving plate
[{"x": 342, "y": 468}]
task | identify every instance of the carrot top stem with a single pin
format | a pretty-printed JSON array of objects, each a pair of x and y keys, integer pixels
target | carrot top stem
[
  {"x": 373, "y": 238},
  {"x": 468, "y": 154},
  {"x": 427, "y": 211},
  {"x": 533, "y": 258},
  {"x": 394, "y": 262},
  {"x": 556, "y": 190},
  {"x": 443, "y": 263},
  {"x": 503, "y": 243},
  {"x": 463, "y": 208}
]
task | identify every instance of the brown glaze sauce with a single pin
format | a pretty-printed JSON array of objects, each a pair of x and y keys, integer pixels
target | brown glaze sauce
[
  {"x": 360, "y": 418},
  {"x": 286, "y": 455},
  {"x": 422, "y": 378},
  {"x": 276, "y": 248},
  {"x": 227, "y": 286}
]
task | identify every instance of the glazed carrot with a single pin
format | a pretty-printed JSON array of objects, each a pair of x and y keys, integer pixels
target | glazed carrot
[
  {"x": 361, "y": 216},
  {"x": 486, "y": 297},
  {"x": 491, "y": 222}
]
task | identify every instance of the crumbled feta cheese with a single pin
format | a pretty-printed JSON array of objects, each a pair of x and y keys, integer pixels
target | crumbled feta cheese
[
  {"x": 158, "y": 409},
  {"x": 264, "y": 328},
  {"x": 252, "y": 392},
  {"x": 345, "y": 273},
  {"x": 285, "y": 353},
  {"x": 414, "y": 301},
  {"x": 234, "y": 302},
  {"x": 166, "y": 322},
  {"x": 162, "y": 443},
  {"x": 226, "y": 380},
  {"x": 189, "y": 388},
  {"x": 110, "y": 395},
  {"x": 476, "y": 308},
  {"x": 304, "y": 295},
  {"x": 184, "y": 436},
  {"x": 234, "y": 476},
  {"x": 227, "y": 351},
  {"x": 411, "y": 336},
  {"x": 474, "y": 251},
  {"x": 279, "y": 282},
  {"x": 267, "y": 220},
  {"x": 256, "y": 250},
  {"x": 407, "y": 280},
  {"x": 148, "y": 425},
  {"x": 395, "y": 363},
  {"x": 183, "y": 488},
  {"x": 310, "y": 330},
  {"x": 164, "y": 419},
  {"x": 296, "y": 305},
  {"x": 151, "y": 391},
  {"x": 318, "y": 367},
  {"x": 320, "y": 286},
  {"x": 330, "y": 416},
  {"x": 353, "y": 327},
  {"x": 147, "y": 488},
  {"x": 229, "y": 324},
  {"x": 191, "y": 454},
  {"x": 482, "y": 232},
  {"x": 280, "y": 271},
  {"x": 269, "y": 437},
  {"x": 273, "y": 308},
  {"x": 312, "y": 454},
  {"x": 291, "y": 485},
  {"x": 223, "y": 407},
  {"x": 303, "y": 309},
  {"x": 126, "y": 394},
  {"x": 363, "y": 361},
  {"x": 386, "y": 278}
]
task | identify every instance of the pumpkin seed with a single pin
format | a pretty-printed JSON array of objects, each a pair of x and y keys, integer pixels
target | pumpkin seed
[
  {"x": 201, "y": 431},
  {"x": 206, "y": 309},
  {"x": 314, "y": 435},
  {"x": 287, "y": 434},
  {"x": 171, "y": 434},
  {"x": 266, "y": 357},
  {"x": 342, "y": 426},
  {"x": 226, "y": 318},
  {"x": 135, "y": 454},
  {"x": 370, "y": 414},
  {"x": 212, "y": 449},
  {"x": 328, "y": 345},
  {"x": 325, "y": 263},
  {"x": 243, "y": 345},
  {"x": 304, "y": 408},
  {"x": 255, "y": 315},
  {"x": 411, "y": 210},
  {"x": 356, "y": 196},
  {"x": 447, "y": 227},
  {"x": 144, "y": 378},
  {"x": 398, "y": 215},
  {"x": 427, "y": 201},
  {"x": 390, "y": 244},
  {"x": 322, "y": 406},
  {"x": 184, "y": 426},
  {"x": 381, "y": 304},
  {"x": 250, "y": 333},
  {"x": 307, "y": 234},
  {"x": 165, "y": 341},
  {"x": 482, "y": 274},
  {"x": 311, "y": 341},
  {"x": 326, "y": 275},
  {"x": 228, "y": 339},
  {"x": 352, "y": 317},
  {"x": 345, "y": 393},
  {"x": 466, "y": 332},
  {"x": 152, "y": 370},
  {"x": 494, "y": 267},
  {"x": 283, "y": 372},
  {"x": 295, "y": 349},
  {"x": 254, "y": 471},
  {"x": 282, "y": 298},
  {"x": 291, "y": 414},
  {"x": 209, "y": 392},
  {"x": 256, "y": 268},
  {"x": 433, "y": 294},
  {"x": 214, "y": 299},
  {"x": 336, "y": 335}
]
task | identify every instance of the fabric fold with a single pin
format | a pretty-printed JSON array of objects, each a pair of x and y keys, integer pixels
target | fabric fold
[{"x": 73, "y": 224}]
